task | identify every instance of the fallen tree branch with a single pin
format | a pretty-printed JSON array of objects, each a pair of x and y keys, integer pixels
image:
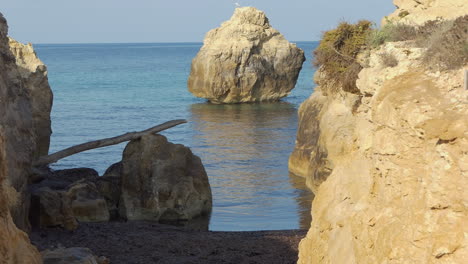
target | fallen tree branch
[{"x": 44, "y": 160}]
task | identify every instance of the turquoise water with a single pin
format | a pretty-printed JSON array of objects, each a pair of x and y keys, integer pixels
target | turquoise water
[{"x": 103, "y": 90}]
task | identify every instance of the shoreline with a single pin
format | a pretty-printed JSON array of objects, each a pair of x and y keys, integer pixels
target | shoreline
[{"x": 149, "y": 242}]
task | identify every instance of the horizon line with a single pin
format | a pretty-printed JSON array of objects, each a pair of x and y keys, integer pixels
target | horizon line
[{"x": 162, "y": 42}]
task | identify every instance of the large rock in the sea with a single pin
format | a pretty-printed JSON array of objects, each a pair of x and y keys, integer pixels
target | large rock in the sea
[
  {"x": 162, "y": 181},
  {"x": 16, "y": 150},
  {"x": 397, "y": 158},
  {"x": 245, "y": 60},
  {"x": 34, "y": 77}
]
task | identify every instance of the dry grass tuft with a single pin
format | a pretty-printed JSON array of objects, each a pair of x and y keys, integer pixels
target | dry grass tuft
[
  {"x": 388, "y": 59},
  {"x": 337, "y": 52}
]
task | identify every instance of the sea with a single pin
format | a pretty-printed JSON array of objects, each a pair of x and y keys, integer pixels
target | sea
[{"x": 104, "y": 90}]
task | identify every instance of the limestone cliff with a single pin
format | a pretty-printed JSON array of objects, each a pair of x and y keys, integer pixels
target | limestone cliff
[
  {"x": 245, "y": 60},
  {"x": 16, "y": 148},
  {"x": 388, "y": 165},
  {"x": 34, "y": 75},
  {"x": 418, "y": 12}
]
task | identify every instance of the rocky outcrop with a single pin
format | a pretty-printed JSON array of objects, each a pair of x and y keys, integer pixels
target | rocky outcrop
[
  {"x": 16, "y": 148},
  {"x": 324, "y": 134},
  {"x": 65, "y": 197},
  {"x": 162, "y": 181},
  {"x": 388, "y": 167},
  {"x": 245, "y": 60},
  {"x": 417, "y": 12},
  {"x": 34, "y": 78}
]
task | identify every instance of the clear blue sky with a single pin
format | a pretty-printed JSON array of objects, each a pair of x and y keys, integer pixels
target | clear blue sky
[{"x": 97, "y": 21}]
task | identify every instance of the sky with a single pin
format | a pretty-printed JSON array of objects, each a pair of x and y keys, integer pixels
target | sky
[{"x": 127, "y": 21}]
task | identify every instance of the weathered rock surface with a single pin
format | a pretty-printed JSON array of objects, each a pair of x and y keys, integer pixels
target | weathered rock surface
[
  {"x": 52, "y": 208},
  {"x": 65, "y": 196},
  {"x": 74, "y": 255},
  {"x": 417, "y": 12},
  {"x": 396, "y": 165},
  {"x": 16, "y": 149},
  {"x": 34, "y": 76},
  {"x": 87, "y": 203},
  {"x": 162, "y": 181},
  {"x": 245, "y": 60}
]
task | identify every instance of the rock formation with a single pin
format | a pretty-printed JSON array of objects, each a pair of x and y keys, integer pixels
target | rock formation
[
  {"x": 417, "y": 12},
  {"x": 52, "y": 208},
  {"x": 245, "y": 60},
  {"x": 388, "y": 165},
  {"x": 16, "y": 149},
  {"x": 65, "y": 197},
  {"x": 162, "y": 181},
  {"x": 34, "y": 76},
  {"x": 87, "y": 203}
]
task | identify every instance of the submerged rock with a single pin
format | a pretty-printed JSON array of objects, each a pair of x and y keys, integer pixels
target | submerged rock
[
  {"x": 245, "y": 60},
  {"x": 162, "y": 181}
]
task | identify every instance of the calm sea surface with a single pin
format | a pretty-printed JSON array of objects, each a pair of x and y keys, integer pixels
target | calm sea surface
[{"x": 103, "y": 90}]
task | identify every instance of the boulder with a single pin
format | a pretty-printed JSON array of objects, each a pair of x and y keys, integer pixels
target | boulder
[
  {"x": 87, "y": 203},
  {"x": 16, "y": 149},
  {"x": 64, "y": 196},
  {"x": 245, "y": 60},
  {"x": 74, "y": 255},
  {"x": 162, "y": 181},
  {"x": 34, "y": 78},
  {"x": 52, "y": 208},
  {"x": 109, "y": 187}
]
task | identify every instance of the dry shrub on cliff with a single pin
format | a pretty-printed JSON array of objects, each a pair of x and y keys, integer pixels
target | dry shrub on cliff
[
  {"x": 391, "y": 32},
  {"x": 337, "y": 52},
  {"x": 446, "y": 43},
  {"x": 388, "y": 59}
]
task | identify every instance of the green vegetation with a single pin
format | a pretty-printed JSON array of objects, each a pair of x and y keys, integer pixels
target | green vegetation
[
  {"x": 391, "y": 32},
  {"x": 337, "y": 52}
]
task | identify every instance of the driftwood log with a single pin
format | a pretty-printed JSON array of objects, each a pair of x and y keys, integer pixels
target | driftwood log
[{"x": 45, "y": 160}]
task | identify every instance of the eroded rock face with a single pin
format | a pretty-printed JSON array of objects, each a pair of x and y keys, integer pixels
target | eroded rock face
[
  {"x": 245, "y": 60},
  {"x": 16, "y": 148},
  {"x": 396, "y": 188},
  {"x": 162, "y": 181},
  {"x": 34, "y": 76},
  {"x": 417, "y": 12},
  {"x": 325, "y": 133}
]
